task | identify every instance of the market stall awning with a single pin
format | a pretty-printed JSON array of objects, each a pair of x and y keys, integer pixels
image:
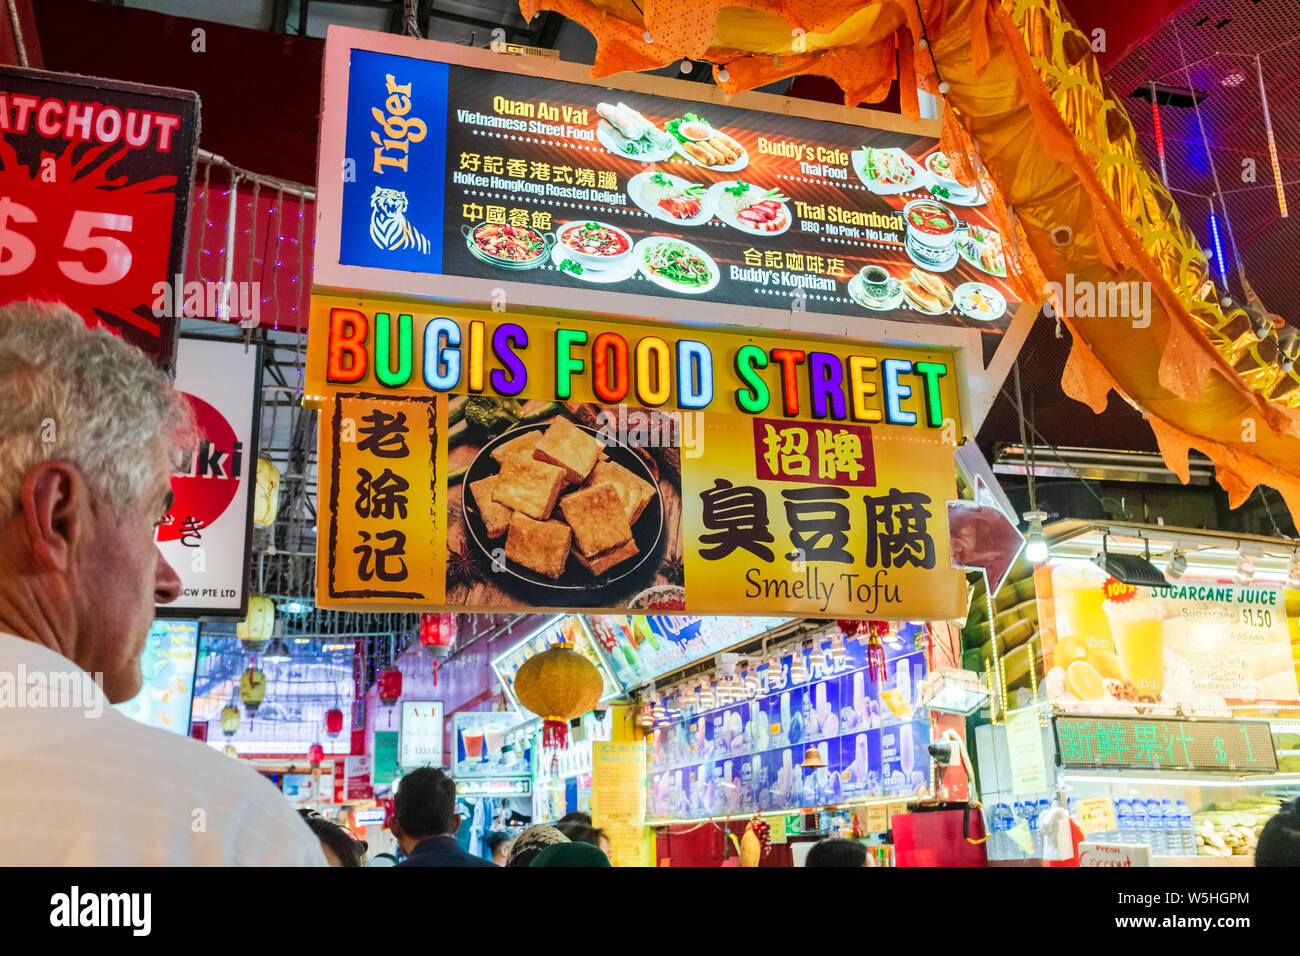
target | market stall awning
[{"x": 1027, "y": 113}]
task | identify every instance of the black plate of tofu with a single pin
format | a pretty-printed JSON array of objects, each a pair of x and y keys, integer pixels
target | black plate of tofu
[{"x": 557, "y": 508}]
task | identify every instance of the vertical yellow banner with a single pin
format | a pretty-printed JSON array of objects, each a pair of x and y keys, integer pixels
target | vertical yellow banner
[
  {"x": 381, "y": 493},
  {"x": 618, "y": 799}
]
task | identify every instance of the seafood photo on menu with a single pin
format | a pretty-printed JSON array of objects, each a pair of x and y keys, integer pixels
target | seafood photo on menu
[{"x": 509, "y": 247}]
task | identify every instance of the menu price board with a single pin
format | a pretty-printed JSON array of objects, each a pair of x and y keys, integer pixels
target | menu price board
[
  {"x": 484, "y": 172},
  {"x": 641, "y": 648},
  {"x": 1197, "y": 647},
  {"x": 1134, "y": 743},
  {"x": 618, "y": 799},
  {"x": 476, "y": 460},
  {"x": 95, "y": 184}
]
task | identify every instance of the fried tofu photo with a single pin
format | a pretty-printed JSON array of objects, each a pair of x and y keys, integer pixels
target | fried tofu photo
[
  {"x": 521, "y": 446},
  {"x": 634, "y": 492},
  {"x": 567, "y": 445},
  {"x": 542, "y": 546},
  {"x": 600, "y": 563},
  {"x": 597, "y": 518},
  {"x": 530, "y": 486},
  {"x": 495, "y": 515}
]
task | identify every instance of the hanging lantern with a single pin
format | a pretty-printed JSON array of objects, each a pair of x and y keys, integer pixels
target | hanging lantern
[
  {"x": 229, "y": 719},
  {"x": 558, "y": 684},
  {"x": 437, "y": 634},
  {"x": 798, "y": 667},
  {"x": 252, "y": 688},
  {"x": 333, "y": 722},
  {"x": 256, "y": 629},
  {"x": 659, "y": 712},
  {"x": 315, "y": 754},
  {"x": 645, "y": 716},
  {"x": 751, "y": 680},
  {"x": 708, "y": 699},
  {"x": 775, "y": 673},
  {"x": 390, "y": 686},
  {"x": 876, "y": 650},
  {"x": 839, "y": 654},
  {"x": 266, "y": 499}
]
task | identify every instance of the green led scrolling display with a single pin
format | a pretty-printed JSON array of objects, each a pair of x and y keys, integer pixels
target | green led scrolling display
[{"x": 1152, "y": 743}]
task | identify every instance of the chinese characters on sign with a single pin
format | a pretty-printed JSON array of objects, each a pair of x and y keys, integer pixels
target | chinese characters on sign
[
  {"x": 1165, "y": 744},
  {"x": 384, "y": 454}
]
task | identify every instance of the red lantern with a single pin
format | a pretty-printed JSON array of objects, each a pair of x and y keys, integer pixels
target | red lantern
[
  {"x": 315, "y": 754},
  {"x": 871, "y": 634},
  {"x": 390, "y": 686},
  {"x": 333, "y": 722},
  {"x": 437, "y": 634}
]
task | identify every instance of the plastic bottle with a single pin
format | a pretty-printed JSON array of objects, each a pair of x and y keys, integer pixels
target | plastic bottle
[
  {"x": 1187, "y": 831},
  {"x": 1043, "y": 806},
  {"x": 1138, "y": 814},
  {"x": 1173, "y": 827},
  {"x": 1123, "y": 822},
  {"x": 1153, "y": 822},
  {"x": 1031, "y": 817},
  {"x": 1003, "y": 820}
]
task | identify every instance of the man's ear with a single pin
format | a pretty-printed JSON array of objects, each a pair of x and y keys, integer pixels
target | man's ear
[
  {"x": 51, "y": 497},
  {"x": 455, "y": 824}
]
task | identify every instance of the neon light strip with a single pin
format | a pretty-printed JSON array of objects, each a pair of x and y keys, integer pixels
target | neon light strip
[
  {"x": 1160, "y": 136},
  {"x": 1218, "y": 247},
  {"x": 1272, "y": 146}
]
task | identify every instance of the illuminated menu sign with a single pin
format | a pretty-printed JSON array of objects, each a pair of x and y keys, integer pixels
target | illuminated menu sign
[
  {"x": 455, "y": 171},
  {"x": 1138, "y": 743}
]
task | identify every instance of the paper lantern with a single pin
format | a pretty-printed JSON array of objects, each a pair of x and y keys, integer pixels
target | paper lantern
[
  {"x": 315, "y": 754},
  {"x": 266, "y": 499},
  {"x": 256, "y": 629},
  {"x": 252, "y": 689},
  {"x": 437, "y": 634},
  {"x": 229, "y": 720},
  {"x": 389, "y": 686},
  {"x": 558, "y": 684},
  {"x": 333, "y": 722}
]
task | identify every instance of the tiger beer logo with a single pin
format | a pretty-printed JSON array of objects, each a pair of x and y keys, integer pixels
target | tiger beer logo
[
  {"x": 207, "y": 486},
  {"x": 396, "y": 130},
  {"x": 1118, "y": 591}
]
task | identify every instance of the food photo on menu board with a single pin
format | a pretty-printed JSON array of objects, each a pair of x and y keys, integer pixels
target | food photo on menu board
[{"x": 559, "y": 183}]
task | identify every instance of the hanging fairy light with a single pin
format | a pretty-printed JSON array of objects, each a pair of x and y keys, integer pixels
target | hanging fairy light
[{"x": 1272, "y": 145}]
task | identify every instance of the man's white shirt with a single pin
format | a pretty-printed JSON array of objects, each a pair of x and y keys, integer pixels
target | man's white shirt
[{"x": 86, "y": 785}]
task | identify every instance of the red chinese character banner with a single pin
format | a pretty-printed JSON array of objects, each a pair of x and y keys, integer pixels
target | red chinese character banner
[{"x": 95, "y": 183}]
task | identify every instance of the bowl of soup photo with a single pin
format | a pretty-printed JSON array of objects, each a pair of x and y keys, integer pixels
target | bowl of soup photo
[
  {"x": 596, "y": 244},
  {"x": 931, "y": 224}
]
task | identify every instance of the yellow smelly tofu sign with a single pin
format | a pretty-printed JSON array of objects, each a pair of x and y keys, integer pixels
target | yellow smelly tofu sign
[{"x": 481, "y": 460}]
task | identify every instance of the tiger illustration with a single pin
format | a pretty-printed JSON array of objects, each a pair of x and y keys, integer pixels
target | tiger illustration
[{"x": 389, "y": 228}]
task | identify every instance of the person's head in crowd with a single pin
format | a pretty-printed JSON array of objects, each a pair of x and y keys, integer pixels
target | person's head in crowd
[
  {"x": 571, "y": 854},
  {"x": 425, "y": 806},
  {"x": 584, "y": 833},
  {"x": 838, "y": 853},
  {"x": 577, "y": 816},
  {"x": 340, "y": 847},
  {"x": 499, "y": 844},
  {"x": 90, "y": 435},
  {"x": 1279, "y": 841},
  {"x": 532, "y": 842}
]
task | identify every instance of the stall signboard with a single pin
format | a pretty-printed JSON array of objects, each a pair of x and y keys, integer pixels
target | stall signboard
[
  {"x": 1114, "y": 854},
  {"x": 204, "y": 534},
  {"x": 746, "y": 757},
  {"x": 480, "y": 461},
  {"x": 167, "y": 665},
  {"x": 640, "y": 647},
  {"x": 384, "y": 766},
  {"x": 356, "y": 775},
  {"x": 1194, "y": 647},
  {"x": 486, "y": 759},
  {"x": 1162, "y": 743},
  {"x": 1028, "y": 758},
  {"x": 466, "y": 176},
  {"x": 618, "y": 799},
  {"x": 420, "y": 737},
  {"x": 95, "y": 184}
]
